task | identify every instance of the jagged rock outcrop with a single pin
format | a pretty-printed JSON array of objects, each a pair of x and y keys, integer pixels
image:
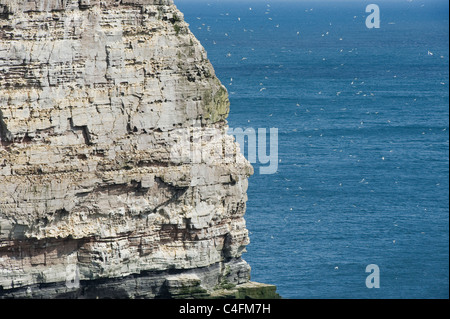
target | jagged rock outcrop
[{"x": 117, "y": 177}]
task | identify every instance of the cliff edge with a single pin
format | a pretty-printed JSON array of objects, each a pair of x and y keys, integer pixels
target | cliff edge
[{"x": 117, "y": 177}]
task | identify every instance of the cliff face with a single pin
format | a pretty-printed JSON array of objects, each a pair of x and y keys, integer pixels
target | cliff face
[{"x": 117, "y": 177}]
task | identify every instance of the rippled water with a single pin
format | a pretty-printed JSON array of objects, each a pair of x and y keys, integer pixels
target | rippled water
[{"x": 362, "y": 114}]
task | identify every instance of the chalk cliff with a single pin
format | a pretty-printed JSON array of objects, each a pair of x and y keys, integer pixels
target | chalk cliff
[{"x": 117, "y": 177}]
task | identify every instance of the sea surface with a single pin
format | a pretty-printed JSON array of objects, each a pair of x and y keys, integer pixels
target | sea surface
[{"x": 363, "y": 120}]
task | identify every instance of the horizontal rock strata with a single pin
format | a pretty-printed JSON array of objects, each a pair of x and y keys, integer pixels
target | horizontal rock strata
[{"x": 117, "y": 177}]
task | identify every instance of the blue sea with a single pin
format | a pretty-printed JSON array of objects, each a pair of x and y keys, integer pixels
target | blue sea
[{"x": 363, "y": 120}]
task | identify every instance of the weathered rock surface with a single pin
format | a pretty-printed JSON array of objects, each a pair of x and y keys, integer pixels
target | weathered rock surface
[{"x": 101, "y": 193}]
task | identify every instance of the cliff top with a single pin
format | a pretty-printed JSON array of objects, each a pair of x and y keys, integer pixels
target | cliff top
[{"x": 11, "y": 6}]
